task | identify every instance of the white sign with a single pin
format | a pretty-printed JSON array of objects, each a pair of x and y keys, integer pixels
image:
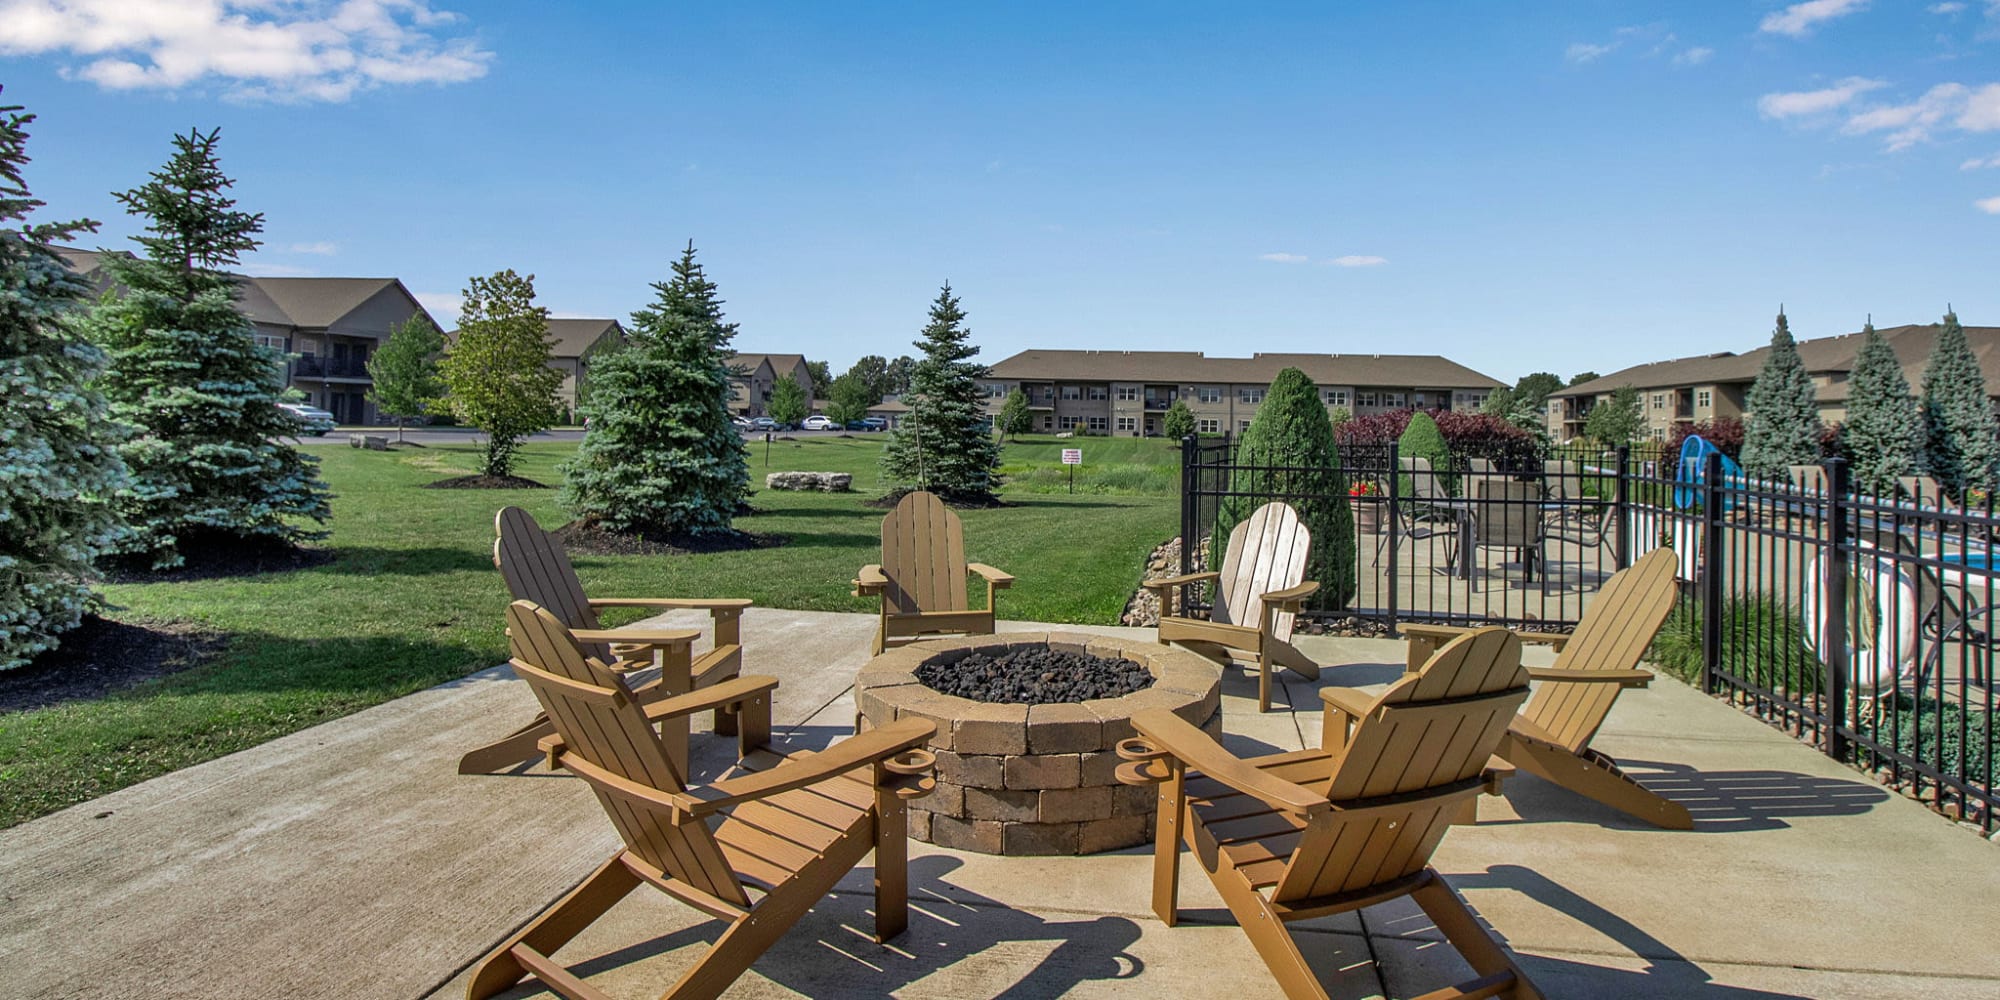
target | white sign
[{"x": 1072, "y": 456}]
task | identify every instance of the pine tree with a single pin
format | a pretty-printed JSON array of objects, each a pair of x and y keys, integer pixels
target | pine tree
[
  {"x": 788, "y": 404},
  {"x": 497, "y": 373},
  {"x": 1783, "y": 423},
  {"x": 1961, "y": 443},
  {"x": 942, "y": 445},
  {"x": 1288, "y": 450},
  {"x": 1883, "y": 433},
  {"x": 661, "y": 455},
  {"x": 59, "y": 465},
  {"x": 1179, "y": 421},
  {"x": 208, "y": 464},
  {"x": 405, "y": 371},
  {"x": 1015, "y": 417}
]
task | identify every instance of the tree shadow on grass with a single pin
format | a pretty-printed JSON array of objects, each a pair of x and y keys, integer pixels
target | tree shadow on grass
[
  {"x": 350, "y": 672},
  {"x": 370, "y": 560}
]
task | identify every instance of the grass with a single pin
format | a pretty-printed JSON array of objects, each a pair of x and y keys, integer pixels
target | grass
[
  {"x": 412, "y": 600},
  {"x": 1111, "y": 466}
]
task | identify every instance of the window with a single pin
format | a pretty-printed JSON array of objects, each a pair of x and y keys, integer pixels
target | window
[
  {"x": 1336, "y": 397},
  {"x": 1128, "y": 393},
  {"x": 1417, "y": 399},
  {"x": 1070, "y": 423},
  {"x": 274, "y": 343},
  {"x": 1099, "y": 423},
  {"x": 1392, "y": 399},
  {"x": 1364, "y": 399},
  {"x": 1208, "y": 425},
  {"x": 1208, "y": 394},
  {"x": 1128, "y": 423},
  {"x": 1659, "y": 433},
  {"x": 1659, "y": 401},
  {"x": 1072, "y": 392},
  {"x": 1247, "y": 394},
  {"x": 1242, "y": 425},
  {"x": 1704, "y": 399},
  {"x": 1097, "y": 392}
]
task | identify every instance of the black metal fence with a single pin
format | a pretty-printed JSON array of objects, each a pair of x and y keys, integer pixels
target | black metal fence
[{"x": 1863, "y": 625}]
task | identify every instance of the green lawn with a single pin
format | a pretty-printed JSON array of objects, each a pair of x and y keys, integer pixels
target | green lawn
[{"x": 412, "y": 599}]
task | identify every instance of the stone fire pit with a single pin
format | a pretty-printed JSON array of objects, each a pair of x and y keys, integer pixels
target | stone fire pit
[{"x": 1034, "y": 779}]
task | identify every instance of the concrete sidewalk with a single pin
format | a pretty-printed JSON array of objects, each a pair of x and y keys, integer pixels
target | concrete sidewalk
[{"x": 349, "y": 860}]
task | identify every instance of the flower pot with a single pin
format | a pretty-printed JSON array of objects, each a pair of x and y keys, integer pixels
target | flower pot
[{"x": 1367, "y": 516}]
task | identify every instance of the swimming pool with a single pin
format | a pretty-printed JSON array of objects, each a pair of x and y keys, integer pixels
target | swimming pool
[{"x": 1970, "y": 560}]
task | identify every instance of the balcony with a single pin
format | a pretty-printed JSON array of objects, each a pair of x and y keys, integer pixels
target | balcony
[{"x": 317, "y": 367}]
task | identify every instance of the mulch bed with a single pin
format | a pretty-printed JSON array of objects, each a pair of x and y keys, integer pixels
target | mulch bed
[
  {"x": 961, "y": 501},
  {"x": 1035, "y": 675},
  {"x": 101, "y": 656},
  {"x": 591, "y": 539},
  {"x": 486, "y": 483},
  {"x": 211, "y": 558}
]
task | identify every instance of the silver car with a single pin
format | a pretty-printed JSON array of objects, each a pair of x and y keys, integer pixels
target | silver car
[{"x": 311, "y": 419}]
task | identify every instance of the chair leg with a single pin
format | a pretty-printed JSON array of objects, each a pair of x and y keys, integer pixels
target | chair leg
[
  {"x": 518, "y": 746},
  {"x": 1167, "y": 848},
  {"x": 1462, "y": 929},
  {"x": 1595, "y": 778},
  {"x": 892, "y": 864},
  {"x": 547, "y": 933},
  {"x": 750, "y": 936},
  {"x": 1288, "y": 656},
  {"x": 1274, "y": 944}
]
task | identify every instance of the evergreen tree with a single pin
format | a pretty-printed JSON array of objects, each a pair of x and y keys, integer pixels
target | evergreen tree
[
  {"x": 1422, "y": 439},
  {"x": 849, "y": 398},
  {"x": 896, "y": 376},
  {"x": 942, "y": 445},
  {"x": 788, "y": 403},
  {"x": 1782, "y": 427},
  {"x": 1179, "y": 421},
  {"x": 59, "y": 465},
  {"x": 208, "y": 463},
  {"x": 497, "y": 372},
  {"x": 1015, "y": 417},
  {"x": 661, "y": 455},
  {"x": 1961, "y": 443},
  {"x": 1618, "y": 420},
  {"x": 405, "y": 371},
  {"x": 1291, "y": 431},
  {"x": 1883, "y": 433}
]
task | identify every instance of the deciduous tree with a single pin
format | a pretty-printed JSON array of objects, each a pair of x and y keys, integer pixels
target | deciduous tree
[
  {"x": 849, "y": 398},
  {"x": 405, "y": 371},
  {"x": 788, "y": 404},
  {"x": 1618, "y": 420},
  {"x": 497, "y": 371},
  {"x": 1179, "y": 420},
  {"x": 1015, "y": 417}
]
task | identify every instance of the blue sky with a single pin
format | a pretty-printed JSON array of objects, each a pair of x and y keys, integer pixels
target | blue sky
[{"x": 1558, "y": 186}]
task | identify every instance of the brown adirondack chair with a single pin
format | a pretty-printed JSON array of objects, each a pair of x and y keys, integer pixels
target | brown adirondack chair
[
  {"x": 1292, "y": 836},
  {"x": 755, "y": 850},
  {"x": 1258, "y": 593},
  {"x": 537, "y": 569},
  {"x": 1551, "y": 738},
  {"x": 921, "y": 578}
]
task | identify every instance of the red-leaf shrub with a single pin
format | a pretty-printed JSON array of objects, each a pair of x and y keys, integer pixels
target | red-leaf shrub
[{"x": 1469, "y": 435}]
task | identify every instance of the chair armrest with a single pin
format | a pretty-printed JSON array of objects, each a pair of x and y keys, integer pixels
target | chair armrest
[
  {"x": 999, "y": 580},
  {"x": 870, "y": 747},
  {"x": 1198, "y": 751},
  {"x": 1291, "y": 598},
  {"x": 870, "y": 580},
  {"x": 636, "y": 637},
  {"x": 1449, "y": 632},
  {"x": 706, "y": 603},
  {"x": 1175, "y": 581},
  {"x": 1349, "y": 700},
  {"x": 1622, "y": 678},
  {"x": 730, "y": 692}
]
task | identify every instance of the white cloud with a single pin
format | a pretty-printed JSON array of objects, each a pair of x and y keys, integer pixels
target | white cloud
[
  {"x": 1694, "y": 56},
  {"x": 1799, "y": 18},
  {"x": 1358, "y": 260},
  {"x": 321, "y": 248},
  {"x": 1945, "y": 8},
  {"x": 1991, "y": 206},
  {"x": 1981, "y": 163},
  {"x": 1982, "y": 109},
  {"x": 1283, "y": 258},
  {"x": 1909, "y": 124},
  {"x": 1813, "y": 102},
  {"x": 443, "y": 306},
  {"x": 259, "y": 50},
  {"x": 1583, "y": 52}
]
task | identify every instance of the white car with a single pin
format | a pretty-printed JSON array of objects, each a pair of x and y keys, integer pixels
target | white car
[{"x": 819, "y": 423}]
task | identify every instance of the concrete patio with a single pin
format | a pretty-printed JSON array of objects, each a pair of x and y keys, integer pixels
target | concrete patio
[{"x": 349, "y": 860}]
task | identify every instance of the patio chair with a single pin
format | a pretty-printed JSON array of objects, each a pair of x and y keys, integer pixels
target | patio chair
[
  {"x": 1551, "y": 737},
  {"x": 1924, "y": 491},
  {"x": 1310, "y": 833},
  {"x": 755, "y": 850},
  {"x": 536, "y": 568},
  {"x": 1258, "y": 592},
  {"x": 1425, "y": 511},
  {"x": 1808, "y": 478},
  {"x": 921, "y": 578},
  {"x": 1943, "y": 617},
  {"x": 1507, "y": 516}
]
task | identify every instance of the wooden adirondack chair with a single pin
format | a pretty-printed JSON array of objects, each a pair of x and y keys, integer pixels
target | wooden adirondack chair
[
  {"x": 537, "y": 569},
  {"x": 1292, "y": 836},
  {"x": 1258, "y": 592},
  {"x": 755, "y": 850},
  {"x": 1551, "y": 738},
  {"x": 921, "y": 578}
]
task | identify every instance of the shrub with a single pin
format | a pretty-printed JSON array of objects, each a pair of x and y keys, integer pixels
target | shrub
[
  {"x": 1291, "y": 431},
  {"x": 1726, "y": 433},
  {"x": 1422, "y": 439},
  {"x": 1469, "y": 435},
  {"x": 1946, "y": 737},
  {"x": 1763, "y": 642}
]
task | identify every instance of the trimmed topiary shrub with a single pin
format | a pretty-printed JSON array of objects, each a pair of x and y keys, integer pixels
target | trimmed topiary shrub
[
  {"x": 1291, "y": 432},
  {"x": 1422, "y": 439}
]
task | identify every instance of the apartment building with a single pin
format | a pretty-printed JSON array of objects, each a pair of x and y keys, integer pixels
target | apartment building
[
  {"x": 1127, "y": 393},
  {"x": 573, "y": 342},
  {"x": 757, "y": 374},
  {"x": 1716, "y": 386}
]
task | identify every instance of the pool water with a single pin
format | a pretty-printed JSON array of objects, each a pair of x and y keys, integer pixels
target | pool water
[{"x": 1970, "y": 560}]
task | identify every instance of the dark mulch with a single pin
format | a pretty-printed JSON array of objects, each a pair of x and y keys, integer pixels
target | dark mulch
[
  {"x": 218, "y": 556},
  {"x": 951, "y": 498},
  {"x": 1035, "y": 675},
  {"x": 485, "y": 483},
  {"x": 592, "y": 539},
  {"x": 101, "y": 656}
]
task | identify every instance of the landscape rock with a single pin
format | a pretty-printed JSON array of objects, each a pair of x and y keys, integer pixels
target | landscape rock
[{"x": 823, "y": 482}]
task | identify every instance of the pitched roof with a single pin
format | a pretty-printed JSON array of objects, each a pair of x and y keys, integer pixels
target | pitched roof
[
  {"x": 1414, "y": 370},
  {"x": 317, "y": 302},
  {"x": 1820, "y": 355},
  {"x": 574, "y": 336},
  {"x": 780, "y": 363}
]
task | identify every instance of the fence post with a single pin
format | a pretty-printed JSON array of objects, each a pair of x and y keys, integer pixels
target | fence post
[
  {"x": 1621, "y": 509},
  {"x": 1190, "y": 456},
  {"x": 1834, "y": 653},
  {"x": 1394, "y": 491},
  {"x": 1711, "y": 571}
]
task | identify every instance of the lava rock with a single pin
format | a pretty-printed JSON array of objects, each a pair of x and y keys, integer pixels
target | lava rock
[{"x": 1036, "y": 675}]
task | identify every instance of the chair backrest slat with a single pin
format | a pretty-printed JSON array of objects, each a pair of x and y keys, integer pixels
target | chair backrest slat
[
  {"x": 1267, "y": 552},
  {"x": 537, "y": 569},
  {"x": 923, "y": 555},
  {"x": 1509, "y": 513},
  {"x": 613, "y": 735},
  {"x": 1612, "y": 635}
]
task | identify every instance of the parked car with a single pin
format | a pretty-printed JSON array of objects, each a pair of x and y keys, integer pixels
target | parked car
[
  {"x": 742, "y": 423},
  {"x": 764, "y": 424},
  {"x": 875, "y": 423},
  {"x": 819, "y": 423},
  {"x": 312, "y": 420}
]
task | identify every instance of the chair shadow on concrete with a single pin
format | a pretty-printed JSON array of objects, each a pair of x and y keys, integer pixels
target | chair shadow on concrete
[
  {"x": 1668, "y": 974},
  {"x": 831, "y": 952},
  {"x": 1719, "y": 801}
]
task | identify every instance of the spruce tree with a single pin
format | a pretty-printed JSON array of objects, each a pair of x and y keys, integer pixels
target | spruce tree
[
  {"x": 59, "y": 464},
  {"x": 661, "y": 455},
  {"x": 405, "y": 371},
  {"x": 788, "y": 404},
  {"x": 1961, "y": 443},
  {"x": 943, "y": 445},
  {"x": 1179, "y": 421},
  {"x": 1015, "y": 417},
  {"x": 1783, "y": 424},
  {"x": 208, "y": 462},
  {"x": 1288, "y": 451},
  {"x": 1883, "y": 433},
  {"x": 497, "y": 373}
]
